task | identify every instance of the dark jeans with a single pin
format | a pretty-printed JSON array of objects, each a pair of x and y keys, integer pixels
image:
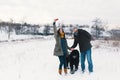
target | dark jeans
[
  {"x": 68, "y": 61},
  {"x": 89, "y": 60},
  {"x": 62, "y": 60}
]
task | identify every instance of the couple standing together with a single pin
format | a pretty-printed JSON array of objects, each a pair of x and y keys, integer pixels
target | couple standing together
[{"x": 82, "y": 38}]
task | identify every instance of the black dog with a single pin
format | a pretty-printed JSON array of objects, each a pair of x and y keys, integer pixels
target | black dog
[{"x": 73, "y": 58}]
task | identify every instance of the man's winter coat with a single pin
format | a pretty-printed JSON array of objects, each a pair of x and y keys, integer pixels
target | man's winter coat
[{"x": 82, "y": 38}]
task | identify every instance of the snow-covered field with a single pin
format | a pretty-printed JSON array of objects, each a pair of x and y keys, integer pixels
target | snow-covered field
[
  {"x": 22, "y": 37},
  {"x": 34, "y": 60}
]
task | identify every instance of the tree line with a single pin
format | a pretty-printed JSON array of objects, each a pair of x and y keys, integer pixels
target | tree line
[{"x": 35, "y": 29}]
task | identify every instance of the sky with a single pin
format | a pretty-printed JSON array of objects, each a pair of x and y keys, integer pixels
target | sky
[{"x": 68, "y": 11}]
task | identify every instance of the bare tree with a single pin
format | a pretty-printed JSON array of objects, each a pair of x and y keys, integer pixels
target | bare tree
[{"x": 98, "y": 26}]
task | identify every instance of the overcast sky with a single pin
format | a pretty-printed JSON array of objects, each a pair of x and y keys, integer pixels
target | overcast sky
[{"x": 68, "y": 11}]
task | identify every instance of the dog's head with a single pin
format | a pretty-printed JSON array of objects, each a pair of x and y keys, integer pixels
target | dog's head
[{"x": 75, "y": 51}]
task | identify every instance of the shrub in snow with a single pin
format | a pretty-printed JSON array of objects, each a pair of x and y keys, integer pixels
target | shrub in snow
[{"x": 116, "y": 44}]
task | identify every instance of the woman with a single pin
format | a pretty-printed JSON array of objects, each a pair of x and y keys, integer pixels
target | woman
[{"x": 60, "y": 49}]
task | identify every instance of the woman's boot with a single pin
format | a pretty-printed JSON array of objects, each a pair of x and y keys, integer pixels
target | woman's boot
[
  {"x": 60, "y": 71},
  {"x": 65, "y": 70}
]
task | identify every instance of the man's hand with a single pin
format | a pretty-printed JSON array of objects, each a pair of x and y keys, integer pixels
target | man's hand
[{"x": 72, "y": 49}]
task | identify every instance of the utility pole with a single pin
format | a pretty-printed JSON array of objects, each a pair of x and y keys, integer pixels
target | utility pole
[{"x": 9, "y": 28}]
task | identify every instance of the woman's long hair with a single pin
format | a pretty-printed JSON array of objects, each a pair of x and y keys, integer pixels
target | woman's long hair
[{"x": 59, "y": 32}]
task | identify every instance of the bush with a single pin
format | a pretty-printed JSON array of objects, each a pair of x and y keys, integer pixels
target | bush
[{"x": 116, "y": 44}]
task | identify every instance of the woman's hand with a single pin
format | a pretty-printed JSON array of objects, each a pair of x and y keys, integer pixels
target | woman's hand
[{"x": 56, "y": 19}]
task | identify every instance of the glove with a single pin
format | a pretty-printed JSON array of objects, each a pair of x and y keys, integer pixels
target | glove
[{"x": 56, "y": 19}]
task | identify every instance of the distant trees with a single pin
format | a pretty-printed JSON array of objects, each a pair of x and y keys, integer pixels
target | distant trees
[
  {"x": 115, "y": 34},
  {"x": 98, "y": 26},
  {"x": 33, "y": 29},
  {"x": 18, "y": 28},
  {"x": 96, "y": 29},
  {"x": 46, "y": 30}
]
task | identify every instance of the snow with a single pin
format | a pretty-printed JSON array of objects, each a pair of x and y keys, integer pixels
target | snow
[
  {"x": 21, "y": 37},
  {"x": 3, "y": 35},
  {"x": 105, "y": 34},
  {"x": 34, "y": 60}
]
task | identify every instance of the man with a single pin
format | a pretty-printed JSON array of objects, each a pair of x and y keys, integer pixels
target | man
[{"x": 83, "y": 38}]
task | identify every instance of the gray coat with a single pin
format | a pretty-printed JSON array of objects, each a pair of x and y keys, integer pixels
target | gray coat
[{"x": 58, "y": 49}]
